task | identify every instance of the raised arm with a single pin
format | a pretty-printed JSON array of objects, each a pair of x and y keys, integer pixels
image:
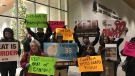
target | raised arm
[
  {"x": 31, "y": 32},
  {"x": 48, "y": 33},
  {"x": 96, "y": 40}
]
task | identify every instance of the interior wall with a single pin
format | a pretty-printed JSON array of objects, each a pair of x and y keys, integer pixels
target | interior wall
[{"x": 82, "y": 10}]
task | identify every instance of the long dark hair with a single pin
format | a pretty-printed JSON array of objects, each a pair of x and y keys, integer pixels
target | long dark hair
[{"x": 103, "y": 44}]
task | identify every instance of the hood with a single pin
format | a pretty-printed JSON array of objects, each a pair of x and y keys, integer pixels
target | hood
[{"x": 8, "y": 30}]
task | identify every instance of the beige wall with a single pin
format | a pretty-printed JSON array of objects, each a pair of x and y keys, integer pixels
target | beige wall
[{"x": 82, "y": 10}]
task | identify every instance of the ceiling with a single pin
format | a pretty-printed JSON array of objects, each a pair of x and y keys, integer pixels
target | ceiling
[{"x": 131, "y": 3}]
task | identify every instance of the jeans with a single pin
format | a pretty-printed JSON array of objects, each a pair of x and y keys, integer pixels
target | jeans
[{"x": 11, "y": 70}]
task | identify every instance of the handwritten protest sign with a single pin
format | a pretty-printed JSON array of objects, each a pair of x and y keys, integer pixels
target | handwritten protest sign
[
  {"x": 56, "y": 24},
  {"x": 8, "y": 51},
  {"x": 90, "y": 64},
  {"x": 129, "y": 49},
  {"x": 42, "y": 65},
  {"x": 64, "y": 52},
  {"x": 114, "y": 28},
  {"x": 67, "y": 33},
  {"x": 86, "y": 28},
  {"x": 36, "y": 20}
]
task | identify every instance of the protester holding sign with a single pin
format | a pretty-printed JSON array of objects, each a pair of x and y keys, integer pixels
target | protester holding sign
[
  {"x": 9, "y": 66},
  {"x": 107, "y": 64},
  {"x": 85, "y": 41},
  {"x": 40, "y": 35},
  {"x": 129, "y": 65},
  {"x": 62, "y": 70},
  {"x": 89, "y": 51},
  {"x": 35, "y": 51}
]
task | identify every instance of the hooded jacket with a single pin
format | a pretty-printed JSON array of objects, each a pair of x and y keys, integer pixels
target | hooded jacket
[{"x": 11, "y": 39}]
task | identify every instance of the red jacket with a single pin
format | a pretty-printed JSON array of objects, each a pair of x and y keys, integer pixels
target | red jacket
[{"x": 24, "y": 61}]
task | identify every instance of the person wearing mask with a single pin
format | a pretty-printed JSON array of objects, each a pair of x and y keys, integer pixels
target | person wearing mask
[
  {"x": 40, "y": 35},
  {"x": 60, "y": 70},
  {"x": 108, "y": 65},
  {"x": 34, "y": 51},
  {"x": 26, "y": 42},
  {"x": 9, "y": 68},
  {"x": 89, "y": 51}
]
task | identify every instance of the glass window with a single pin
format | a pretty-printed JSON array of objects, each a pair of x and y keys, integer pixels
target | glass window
[
  {"x": 29, "y": 7},
  {"x": 54, "y": 14},
  {"x": 41, "y": 9},
  {"x": 64, "y": 17},
  {"x": 55, "y": 3},
  {"x": 42, "y": 1},
  {"x": 5, "y": 22},
  {"x": 64, "y": 4}
]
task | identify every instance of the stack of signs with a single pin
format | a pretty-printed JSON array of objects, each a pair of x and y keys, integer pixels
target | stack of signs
[
  {"x": 129, "y": 49},
  {"x": 114, "y": 28},
  {"x": 111, "y": 52},
  {"x": 86, "y": 28},
  {"x": 64, "y": 52}
]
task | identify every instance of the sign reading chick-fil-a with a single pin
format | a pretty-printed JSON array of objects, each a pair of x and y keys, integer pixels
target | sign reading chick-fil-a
[
  {"x": 8, "y": 51},
  {"x": 129, "y": 49},
  {"x": 64, "y": 52},
  {"x": 114, "y": 28}
]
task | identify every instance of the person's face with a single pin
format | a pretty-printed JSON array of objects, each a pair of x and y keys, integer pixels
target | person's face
[
  {"x": 85, "y": 40},
  {"x": 8, "y": 34},
  {"x": 111, "y": 39},
  {"x": 34, "y": 47},
  {"x": 105, "y": 40},
  {"x": 89, "y": 50},
  {"x": 59, "y": 39},
  {"x": 40, "y": 30}
]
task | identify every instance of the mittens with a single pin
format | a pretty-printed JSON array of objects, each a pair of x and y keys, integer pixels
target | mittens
[{"x": 27, "y": 65}]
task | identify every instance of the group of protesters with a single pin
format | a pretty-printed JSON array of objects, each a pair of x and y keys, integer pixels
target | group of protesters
[{"x": 34, "y": 47}]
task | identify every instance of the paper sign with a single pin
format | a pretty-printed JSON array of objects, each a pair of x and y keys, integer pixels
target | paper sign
[
  {"x": 36, "y": 20},
  {"x": 86, "y": 28},
  {"x": 129, "y": 49},
  {"x": 8, "y": 51},
  {"x": 56, "y": 24},
  {"x": 64, "y": 52},
  {"x": 67, "y": 33},
  {"x": 114, "y": 28},
  {"x": 42, "y": 65},
  {"x": 90, "y": 64}
]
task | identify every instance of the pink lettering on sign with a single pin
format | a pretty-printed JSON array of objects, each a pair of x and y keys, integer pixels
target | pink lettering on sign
[
  {"x": 117, "y": 32},
  {"x": 129, "y": 49},
  {"x": 56, "y": 24}
]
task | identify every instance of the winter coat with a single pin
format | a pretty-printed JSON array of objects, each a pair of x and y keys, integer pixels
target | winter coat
[
  {"x": 41, "y": 37},
  {"x": 26, "y": 44},
  {"x": 25, "y": 60}
]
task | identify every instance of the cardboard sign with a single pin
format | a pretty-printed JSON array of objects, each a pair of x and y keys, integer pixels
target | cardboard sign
[
  {"x": 111, "y": 52},
  {"x": 114, "y": 28},
  {"x": 90, "y": 64},
  {"x": 42, "y": 65},
  {"x": 56, "y": 24},
  {"x": 129, "y": 49},
  {"x": 64, "y": 52},
  {"x": 86, "y": 28},
  {"x": 8, "y": 51},
  {"x": 36, "y": 20},
  {"x": 67, "y": 33}
]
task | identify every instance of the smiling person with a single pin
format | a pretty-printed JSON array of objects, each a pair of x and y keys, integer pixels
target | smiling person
[{"x": 35, "y": 51}]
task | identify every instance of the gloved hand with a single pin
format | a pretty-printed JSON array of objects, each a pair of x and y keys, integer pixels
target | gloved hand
[
  {"x": 27, "y": 65},
  {"x": 55, "y": 66}
]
